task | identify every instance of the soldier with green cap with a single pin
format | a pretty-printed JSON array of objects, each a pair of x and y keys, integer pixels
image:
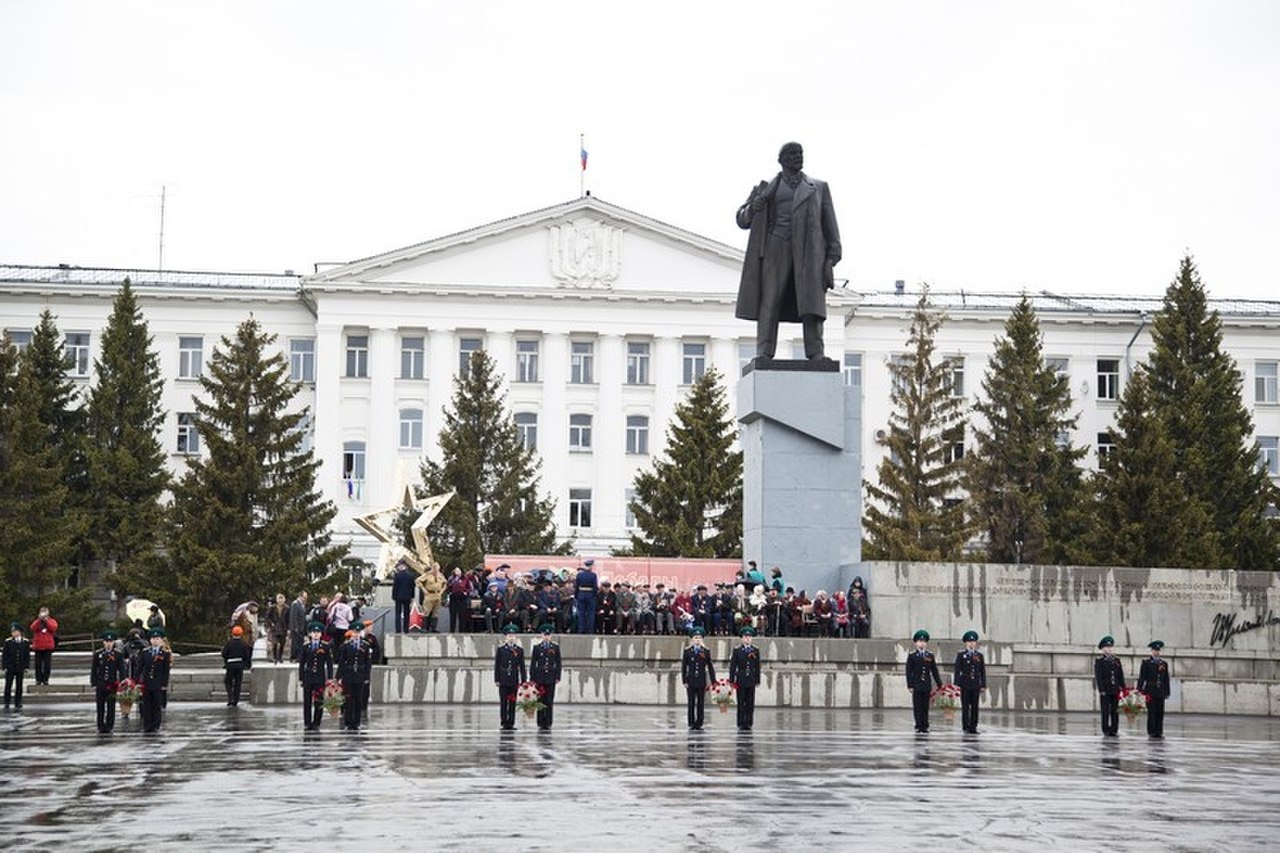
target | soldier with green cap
[
  {"x": 105, "y": 671},
  {"x": 16, "y": 662},
  {"x": 922, "y": 675},
  {"x": 1153, "y": 680},
  {"x": 508, "y": 674},
  {"x": 696, "y": 674},
  {"x": 744, "y": 674},
  {"x": 153, "y": 678},
  {"x": 970, "y": 675},
  {"x": 1108, "y": 676},
  {"x": 544, "y": 670},
  {"x": 315, "y": 667}
]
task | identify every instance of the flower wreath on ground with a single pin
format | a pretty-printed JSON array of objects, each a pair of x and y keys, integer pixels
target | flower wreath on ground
[
  {"x": 721, "y": 692},
  {"x": 529, "y": 697},
  {"x": 945, "y": 698},
  {"x": 1132, "y": 701}
]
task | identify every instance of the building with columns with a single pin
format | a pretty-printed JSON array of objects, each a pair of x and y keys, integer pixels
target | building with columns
[{"x": 599, "y": 318}]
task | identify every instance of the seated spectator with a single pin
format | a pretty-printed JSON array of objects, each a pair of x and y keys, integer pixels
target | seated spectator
[
  {"x": 822, "y": 613},
  {"x": 625, "y": 621},
  {"x": 664, "y": 610},
  {"x": 644, "y": 611},
  {"x": 840, "y": 616},
  {"x": 494, "y": 608},
  {"x": 859, "y": 613}
]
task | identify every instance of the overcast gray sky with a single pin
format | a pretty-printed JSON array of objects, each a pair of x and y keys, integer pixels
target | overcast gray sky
[{"x": 1079, "y": 146}]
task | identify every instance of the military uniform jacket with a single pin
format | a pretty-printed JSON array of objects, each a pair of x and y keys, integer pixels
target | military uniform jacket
[
  {"x": 1153, "y": 678},
  {"x": 1108, "y": 675},
  {"x": 106, "y": 668},
  {"x": 237, "y": 654},
  {"x": 585, "y": 583},
  {"x": 744, "y": 666},
  {"x": 508, "y": 665},
  {"x": 544, "y": 663},
  {"x": 153, "y": 668},
  {"x": 17, "y": 655},
  {"x": 696, "y": 668},
  {"x": 970, "y": 671},
  {"x": 921, "y": 666},
  {"x": 315, "y": 663},
  {"x": 354, "y": 661}
]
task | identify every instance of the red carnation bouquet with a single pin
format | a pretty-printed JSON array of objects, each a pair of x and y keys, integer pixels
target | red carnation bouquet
[
  {"x": 721, "y": 693},
  {"x": 332, "y": 697},
  {"x": 1132, "y": 701},
  {"x": 945, "y": 698},
  {"x": 529, "y": 697}
]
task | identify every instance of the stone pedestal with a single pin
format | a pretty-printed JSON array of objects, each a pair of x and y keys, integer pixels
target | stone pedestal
[{"x": 802, "y": 472}]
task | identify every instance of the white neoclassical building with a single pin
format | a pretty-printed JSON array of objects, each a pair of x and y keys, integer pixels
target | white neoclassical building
[{"x": 599, "y": 318}]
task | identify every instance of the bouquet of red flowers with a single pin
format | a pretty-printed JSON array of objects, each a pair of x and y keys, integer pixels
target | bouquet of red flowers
[
  {"x": 721, "y": 693},
  {"x": 945, "y": 698},
  {"x": 127, "y": 692},
  {"x": 1132, "y": 702},
  {"x": 332, "y": 697},
  {"x": 529, "y": 697}
]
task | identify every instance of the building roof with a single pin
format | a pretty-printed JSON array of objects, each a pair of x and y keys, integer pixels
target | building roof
[
  {"x": 1046, "y": 302},
  {"x": 64, "y": 275}
]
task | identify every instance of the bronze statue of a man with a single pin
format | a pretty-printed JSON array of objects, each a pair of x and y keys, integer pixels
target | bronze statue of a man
[{"x": 793, "y": 246}]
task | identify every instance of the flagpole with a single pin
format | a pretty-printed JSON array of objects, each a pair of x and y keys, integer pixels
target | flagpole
[{"x": 582, "y": 173}]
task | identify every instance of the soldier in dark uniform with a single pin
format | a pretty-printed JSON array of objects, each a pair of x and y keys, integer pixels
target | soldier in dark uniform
[
  {"x": 922, "y": 675},
  {"x": 353, "y": 661},
  {"x": 971, "y": 677},
  {"x": 370, "y": 639},
  {"x": 153, "y": 678},
  {"x": 606, "y": 608},
  {"x": 544, "y": 670},
  {"x": 585, "y": 587},
  {"x": 1108, "y": 676},
  {"x": 16, "y": 660},
  {"x": 696, "y": 674},
  {"x": 237, "y": 656},
  {"x": 508, "y": 674},
  {"x": 315, "y": 667},
  {"x": 744, "y": 673},
  {"x": 105, "y": 671},
  {"x": 1153, "y": 680}
]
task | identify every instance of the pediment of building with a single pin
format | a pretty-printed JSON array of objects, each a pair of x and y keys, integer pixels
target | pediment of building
[{"x": 586, "y": 245}]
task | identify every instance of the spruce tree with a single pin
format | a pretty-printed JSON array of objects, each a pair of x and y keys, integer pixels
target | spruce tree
[
  {"x": 690, "y": 504},
  {"x": 59, "y": 406},
  {"x": 124, "y": 458},
  {"x": 911, "y": 512},
  {"x": 1196, "y": 392},
  {"x": 37, "y": 537},
  {"x": 247, "y": 518},
  {"x": 1024, "y": 483},
  {"x": 1143, "y": 518},
  {"x": 495, "y": 508}
]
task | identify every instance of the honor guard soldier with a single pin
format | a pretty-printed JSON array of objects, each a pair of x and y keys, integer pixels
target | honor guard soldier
[
  {"x": 922, "y": 675},
  {"x": 153, "y": 678},
  {"x": 744, "y": 674},
  {"x": 1108, "y": 676},
  {"x": 1153, "y": 680},
  {"x": 17, "y": 660},
  {"x": 971, "y": 677},
  {"x": 370, "y": 639},
  {"x": 315, "y": 667},
  {"x": 508, "y": 674},
  {"x": 354, "y": 663},
  {"x": 105, "y": 671},
  {"x": 697, "y": 672},
  {"x": 237, "y": 656},
  {"x": 544, "y": 670}
]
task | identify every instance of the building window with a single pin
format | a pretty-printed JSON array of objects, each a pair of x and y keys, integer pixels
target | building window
[
  {"x": 467, "y": 347},
  {"x": 77, "y": 353},
  {"x": 190, "y": 357},
  {"x": 853, "y": 369},
  {"x": 353, "y": 469},
  {"x": 411, "y": 429},
  {"x": 579, "y": 507},
  {"x": 306, "y": 436},
  {"x": 1108, "y": 379},
  {"x": 526, "y": 360},
  {"x": 582, "y": 362},
  {"x": 1106, "y": 445},
  {"x": 637, "y": 435},
  {"x": 953, "y": 445},
  {"x": 955, "y": 376},
  {"x": 188, "y": 435},
  {"x": 637, "y": 362},
  {"x": 1265, "y": 382},
  {"x": 302, "y": 359},
  {"x": 527, "y": 428},
  {"x": 1269, "y": 454},
  {"x": 19, "y": 338},
  {"x": 695, "y": 363},
  {"x": 629, "y": 513},
  {"x": 358, "y": 356},
  {"x": 1058, "y": 365},
  {"x": 413, "y": 357},
  {"x": 580, "y": 433}
]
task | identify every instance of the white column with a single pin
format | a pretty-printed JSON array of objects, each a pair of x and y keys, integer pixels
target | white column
[
  {"x": 442, "y": 363},
  {"x": 611, "y": 447},
  {"x": 666, "y": 386},
  {"x": 553, "y": 424},
  {"x": 501, "y": 347},
  {"x": 327, "y": 415},
  {"x": 384, "y": 418},
  {"x": 723, "y": 354}
]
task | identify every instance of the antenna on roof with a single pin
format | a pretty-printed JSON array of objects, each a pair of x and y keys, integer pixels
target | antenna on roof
[{"x": 160, "y": 261}]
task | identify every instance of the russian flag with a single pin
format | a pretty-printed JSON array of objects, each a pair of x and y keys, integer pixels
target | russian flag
[{"x": 583, "y": 152}]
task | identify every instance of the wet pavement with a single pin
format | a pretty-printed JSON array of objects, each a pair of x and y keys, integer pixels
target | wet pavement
[{"x": 440, "y": 777}]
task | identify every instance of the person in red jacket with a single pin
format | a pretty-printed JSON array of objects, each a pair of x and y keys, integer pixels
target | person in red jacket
[{"x": 44, "y": 633}]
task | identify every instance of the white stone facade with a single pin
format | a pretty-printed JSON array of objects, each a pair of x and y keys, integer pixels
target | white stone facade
[{"x": 598, "y": 317}]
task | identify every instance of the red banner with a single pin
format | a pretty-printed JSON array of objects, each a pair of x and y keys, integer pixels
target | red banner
[{"x": 672, "y": 572}]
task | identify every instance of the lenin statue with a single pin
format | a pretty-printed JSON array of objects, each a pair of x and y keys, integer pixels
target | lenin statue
[{"x": 793, "y": 246}]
